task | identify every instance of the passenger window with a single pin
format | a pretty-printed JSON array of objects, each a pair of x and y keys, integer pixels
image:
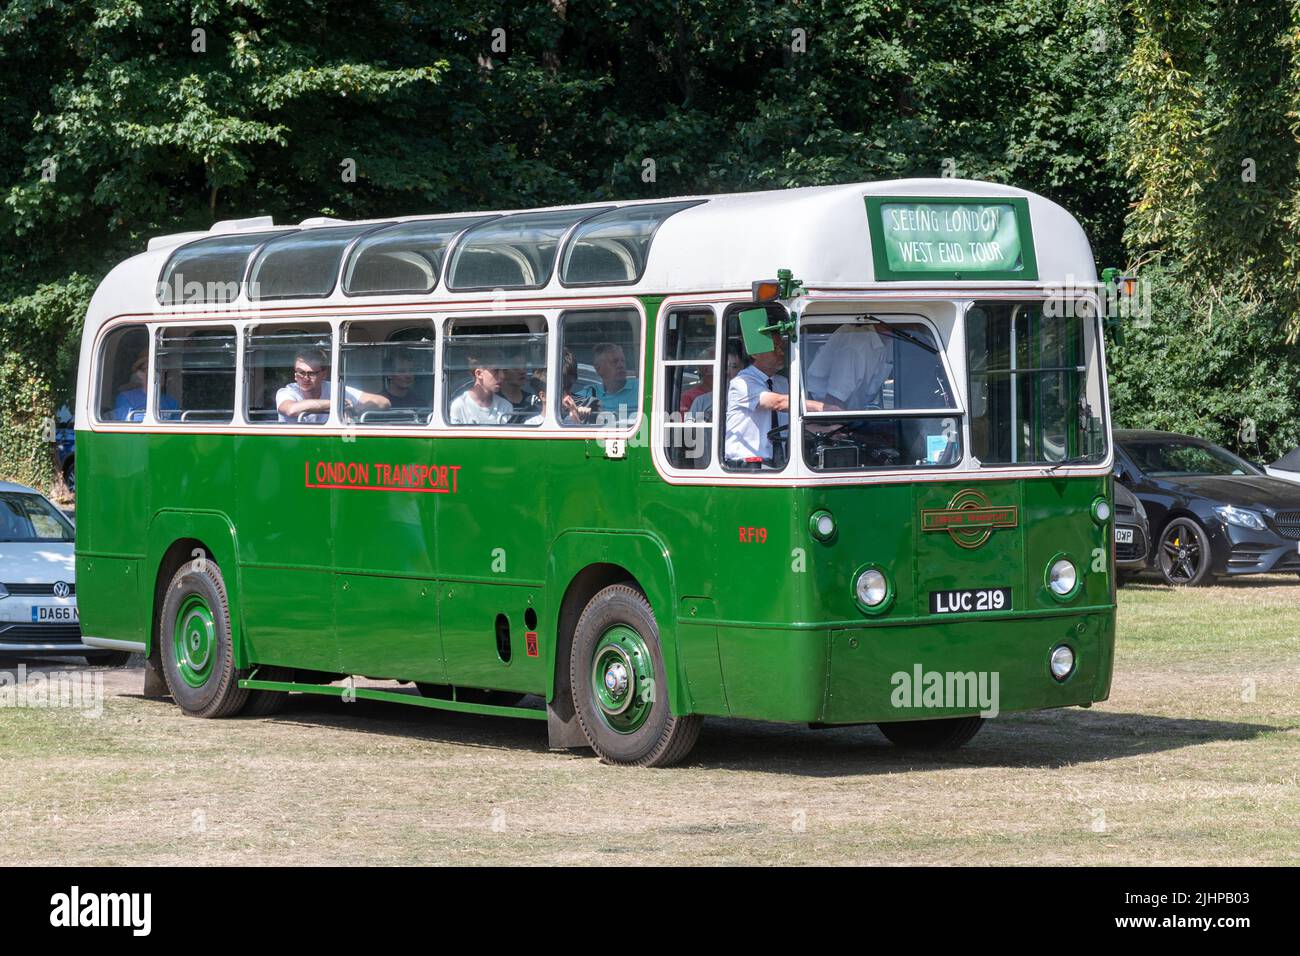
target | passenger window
[
  {"x": 494, "y": 371},
  {"x": 690, "y": 367},
  {"x": 393, "y": 364},
  {"x": 754, "y": 437},
  {"x": 196, "y": 375},
  {"x": 124, "y": 375},
  {"x": 288, "y": 374},
  {"x": 600, "y": 353}
]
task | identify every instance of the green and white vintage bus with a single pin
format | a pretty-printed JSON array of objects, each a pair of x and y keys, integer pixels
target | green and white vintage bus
[{"x": 828, "y": 456}]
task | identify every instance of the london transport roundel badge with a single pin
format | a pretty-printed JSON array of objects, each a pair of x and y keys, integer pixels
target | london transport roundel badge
[{"x": 970, "y": 518}]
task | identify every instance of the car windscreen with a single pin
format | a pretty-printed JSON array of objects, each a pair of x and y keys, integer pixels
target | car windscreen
[
  {"x": 29, "y": 517},
  {"x": 1168, "y": 459}
]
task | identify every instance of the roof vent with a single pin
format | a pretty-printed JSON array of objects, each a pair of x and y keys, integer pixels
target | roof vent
[
  {"x": 251, "y": 224},
  {"x": 175, "y": 239},
  {"x": 322, "y": 221}
]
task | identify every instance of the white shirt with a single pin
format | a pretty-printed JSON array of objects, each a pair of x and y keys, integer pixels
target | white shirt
[
  {"x": 850, "y": 368},
  {"x": 466, "y": 410},
  {"x": 292, "y": 393},
  {"x": 747, "y": 424}
]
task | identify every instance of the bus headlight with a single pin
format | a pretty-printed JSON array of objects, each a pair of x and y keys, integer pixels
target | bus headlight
[
  {"x": 871, "y": 588},
  {"x": 822, "y": 525},
  {"x": 1062, "y": 662},
  {"x": 1062, "y": 577}
]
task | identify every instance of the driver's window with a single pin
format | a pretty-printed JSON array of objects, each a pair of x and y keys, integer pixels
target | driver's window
[
  {"x": 392, "y": 365},
  {"x": 755, "y": 436},
  {"x": 288, "y": 373}
]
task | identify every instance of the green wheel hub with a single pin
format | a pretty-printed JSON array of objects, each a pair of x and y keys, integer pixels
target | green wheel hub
[
  {"x": 194, "y": 636},
  {"x": 622, "y": 679}
]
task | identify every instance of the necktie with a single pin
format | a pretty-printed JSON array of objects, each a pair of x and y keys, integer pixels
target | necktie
[{"x": 775, "y": 423}]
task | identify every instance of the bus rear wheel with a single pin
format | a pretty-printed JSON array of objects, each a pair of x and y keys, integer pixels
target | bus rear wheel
[
  {"x": 197, "y": 649},
  {"x": 948, "y": 733},
  {"x": 616, "y": 671}
]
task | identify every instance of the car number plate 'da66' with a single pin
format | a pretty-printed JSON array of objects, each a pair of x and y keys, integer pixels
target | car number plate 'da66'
[{"x": 970, "y": 600}]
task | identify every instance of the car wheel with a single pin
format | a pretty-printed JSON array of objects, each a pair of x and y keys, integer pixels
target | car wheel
[
  {"x": 266, "y": 703},
  {"x": 197, "y": 650},
  {"x": 109, "y": 659},
  {"x": 1184, "y": 556},
  {"x": 616, "y": 672},
  {"x": 946, "y": 734}
]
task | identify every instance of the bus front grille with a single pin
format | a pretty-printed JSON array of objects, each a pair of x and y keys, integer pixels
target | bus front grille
[{"x": 40, "y": 634}]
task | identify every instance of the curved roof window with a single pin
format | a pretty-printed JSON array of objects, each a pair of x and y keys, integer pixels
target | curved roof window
[
  {"x": 304, "y": 264},
  {"x": 513, "y": 252},
  {"x": 612, "y": 248},
  {"x": 403, "y": 257},
  {"x": 209, "y": 270}
]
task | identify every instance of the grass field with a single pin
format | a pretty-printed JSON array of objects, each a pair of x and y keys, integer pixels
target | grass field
[{"x": 1194, "y": 759}]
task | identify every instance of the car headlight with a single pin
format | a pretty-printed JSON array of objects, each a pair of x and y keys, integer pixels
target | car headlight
[
  {"x": 1062, "y": 661},
  {"x": 871, "y": 588},
  {"x": 822, "y": 525},
  {"x": 1101, "y": 510},
  {"x": 1241, "y": 517},
  {"x": 1062, "y": 577}
]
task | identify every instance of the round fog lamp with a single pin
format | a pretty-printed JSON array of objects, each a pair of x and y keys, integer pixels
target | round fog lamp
[
  {"x": 1062, "y": 578},
  {"x": 1062, "y": 662},
  {"x": 871, "y": 587},
  {"x": 822, "y": 525},
  {"x": 1101, "y": 510}
]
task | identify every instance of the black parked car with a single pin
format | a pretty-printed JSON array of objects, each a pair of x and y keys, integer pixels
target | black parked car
[
  {"x": 1210, "y": 511},
  {"x": 1132, "y": 535}
]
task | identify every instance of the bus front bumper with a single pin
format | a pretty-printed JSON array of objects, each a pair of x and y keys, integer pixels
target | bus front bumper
[{"x": 917, "y": 670}]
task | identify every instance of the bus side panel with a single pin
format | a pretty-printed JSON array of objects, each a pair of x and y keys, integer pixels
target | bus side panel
[
  {"x": 492, "y": 531},
  {"x": 286, "y": 550},
  {"x": 113, "y": 492},
  {"x": 385, "y": 592}
]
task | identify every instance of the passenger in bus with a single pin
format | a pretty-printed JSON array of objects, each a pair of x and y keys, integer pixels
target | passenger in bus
[
  {"x": 701, "y": 409},
  {"x": 513, "y": 391},
  {"x": 758, "y": 403},
  {"x": 133, "y": 394},
  {"x": 618, "y": 392},
  {"x": 399, "y": 381},
  {"x": 849, "y": 371},
  {"x": 577, "y": 409},
  {"x": 481, "y": 403},
  {"x": 307, "y": 398},
  {"x": 537, "y": 386}
]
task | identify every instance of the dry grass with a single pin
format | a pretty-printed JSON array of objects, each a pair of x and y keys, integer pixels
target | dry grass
[{"x": 1180, "y": 766}]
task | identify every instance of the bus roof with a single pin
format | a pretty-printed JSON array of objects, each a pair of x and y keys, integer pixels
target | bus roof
[{"x": 697, "y": 244}]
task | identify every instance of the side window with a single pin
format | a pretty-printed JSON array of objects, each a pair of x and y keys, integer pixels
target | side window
[
  {"x": 600, "y": 354},
  {"x": 123, "y": 375},
  {"x": 387, "y": 373},
  {"x": 690, "y": 371},
  {"x": 755, "y": 433},
  {"x": 196, "y": 375},
  {"x": 288, "y": 373},
  {"x": 494, "y": 371}
]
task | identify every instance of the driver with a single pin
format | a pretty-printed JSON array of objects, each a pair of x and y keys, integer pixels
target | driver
[
  {"x": 850, "y": 369},
  {"x": 758, "y": 403},
  {"x": 307, "y": 398}
]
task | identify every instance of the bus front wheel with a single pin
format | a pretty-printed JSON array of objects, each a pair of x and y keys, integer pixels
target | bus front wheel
[
  {"x": 197, "y": 649},
  {"x": 945, "y": 734},
  {"x": 620, "y": 694}
]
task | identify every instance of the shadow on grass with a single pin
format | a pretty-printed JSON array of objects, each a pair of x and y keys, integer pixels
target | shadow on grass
[{"x": 1036, "y": 740}]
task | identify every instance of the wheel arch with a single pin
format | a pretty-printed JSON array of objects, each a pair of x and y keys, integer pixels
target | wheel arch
[
  {"x": 174, "y": 536},
  {"x": 581, "y": 564}
]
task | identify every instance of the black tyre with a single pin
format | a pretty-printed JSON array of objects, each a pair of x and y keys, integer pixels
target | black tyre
[
  {"x": 948, "y": 733},
  {"x": 1184, "y": 553},
  {"x": 265, "y": 703},
  {"x": 109, "y": 658},
  {"x": 1123, "y": 578},
  {"x": 70, "y": 475},
  {"x": 194, "y": 638},
  {"x": 616, "y": 671}
]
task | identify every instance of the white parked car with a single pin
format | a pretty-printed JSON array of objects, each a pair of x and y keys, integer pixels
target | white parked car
[{"x": 38, "y": 591}]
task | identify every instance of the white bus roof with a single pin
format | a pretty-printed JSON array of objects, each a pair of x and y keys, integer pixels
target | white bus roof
[{"x": 719, "y": 243}]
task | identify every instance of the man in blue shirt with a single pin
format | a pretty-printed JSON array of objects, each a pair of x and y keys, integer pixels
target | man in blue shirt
[{"x": 618, "y": 393}]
